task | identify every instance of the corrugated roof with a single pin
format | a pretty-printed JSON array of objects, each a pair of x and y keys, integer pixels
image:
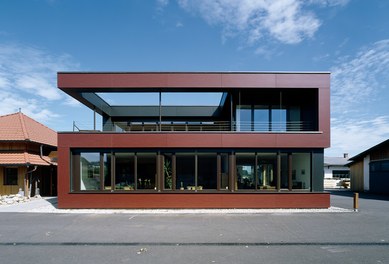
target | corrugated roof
[
  {"x": 19, "y": 127},
  {"x": 24, "y": 158}
]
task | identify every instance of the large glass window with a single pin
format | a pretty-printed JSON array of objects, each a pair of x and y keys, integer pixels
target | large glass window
[
  {"x": 168, "y": 171},
  {"x": 224, "y": 172},
  {"x": 185, "y": 170},
  {"x": 244, "y": 118},
  {"x": 207, "y": 171},
  {"x": 267, "y": 171},
  {"x": 10, "y": 176},
  {"x": 284, "y": 171},
  {"x": 90, "y": 171},
  {"x": 124, "y": 171},
  {"x": 146, "y": 170},
  {"x": 301, "y": 170},
  {"x": 245, "y": 171},
  {"x": 261, "y": 118},
  {"x": 278, "y": 119},
  {"x": 107, "y": 161}
]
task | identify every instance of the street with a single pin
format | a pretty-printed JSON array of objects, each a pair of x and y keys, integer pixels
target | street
[{"x": 348, "y": 237}]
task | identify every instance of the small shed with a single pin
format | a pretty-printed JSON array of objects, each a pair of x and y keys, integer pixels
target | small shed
[{"x": 369, "y": 170}]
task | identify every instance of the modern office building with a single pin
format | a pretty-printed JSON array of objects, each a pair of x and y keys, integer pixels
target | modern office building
[{"x": 260, "y": 146}]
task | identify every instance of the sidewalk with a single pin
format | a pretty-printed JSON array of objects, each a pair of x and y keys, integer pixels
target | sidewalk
[
  {"x": 35, "y": 204},
  {"x": 49, "y": 205}
]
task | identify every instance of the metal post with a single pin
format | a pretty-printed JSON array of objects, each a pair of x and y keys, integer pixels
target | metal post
[
  {"x": 160, "y": 111},
  {"x": 356, "y": 202},
  {"x": 94, "y": 118}
]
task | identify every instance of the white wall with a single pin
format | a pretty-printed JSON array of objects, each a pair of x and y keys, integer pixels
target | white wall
[{"x": 327, "y": 172}]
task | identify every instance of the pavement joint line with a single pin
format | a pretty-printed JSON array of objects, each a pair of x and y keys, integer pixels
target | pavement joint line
[{"x": 178, "y": 244}]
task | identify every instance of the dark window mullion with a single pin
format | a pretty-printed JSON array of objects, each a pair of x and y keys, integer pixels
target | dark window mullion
[
  {"x": 101, "y": 171},
  {"x": 196, "y": 170},
  {"x": 136, "y": 171}
]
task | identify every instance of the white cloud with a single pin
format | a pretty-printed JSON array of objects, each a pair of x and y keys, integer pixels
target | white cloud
[
  {"x": 28, "y": 81},
  {"x": 358, "y": 85},
  {"x": 330, "y": 2},
  {"x": 31, "y": 70},
  {"x": 286, "y": 21},
  {"x": 70, "y": 101},
  {"x": 354, "y": 136},
  {"x": 162, "y": 3},
  {"x": 356, "y": 81},
  {"x": 11, "y": 103}
]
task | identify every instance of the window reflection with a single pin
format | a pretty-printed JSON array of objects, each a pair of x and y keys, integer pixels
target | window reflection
[
  {"x": 146, "y": 170},
  {"x": 245, "y": 164},
  {"x": 301, "y": 171},
  {"x": 207, "y": 171},
  {"x": 90, "y": 171},
  {"x": 185, "y": 169},
  {"x": 124, "y": 171},
  {"x": 267, "y": 174}
]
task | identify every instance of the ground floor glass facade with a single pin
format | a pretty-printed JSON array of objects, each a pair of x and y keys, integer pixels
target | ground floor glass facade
[{"x": 161, "y": 170}]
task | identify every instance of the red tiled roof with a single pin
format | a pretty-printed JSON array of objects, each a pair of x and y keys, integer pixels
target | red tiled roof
[
  {"x": 24, "y": 158},
  {"x": 19, "y": 127}
]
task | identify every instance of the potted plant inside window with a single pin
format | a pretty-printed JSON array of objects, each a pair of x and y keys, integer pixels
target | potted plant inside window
[{"x": 167, "y": 167}]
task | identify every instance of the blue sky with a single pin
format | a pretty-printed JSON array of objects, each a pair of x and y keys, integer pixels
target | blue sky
[{"x": 349, "y": 38}]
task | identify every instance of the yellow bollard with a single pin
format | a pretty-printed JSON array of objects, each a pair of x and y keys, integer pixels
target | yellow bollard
[{"x": 356, "y": 202}]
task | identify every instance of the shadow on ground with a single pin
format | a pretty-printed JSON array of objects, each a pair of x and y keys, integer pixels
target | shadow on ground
[{"x": 362, "y": 195}]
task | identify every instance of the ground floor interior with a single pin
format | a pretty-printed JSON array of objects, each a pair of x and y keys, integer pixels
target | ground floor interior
[{"x": 108, "y": 170}]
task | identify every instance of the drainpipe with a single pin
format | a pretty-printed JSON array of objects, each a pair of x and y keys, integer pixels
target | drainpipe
[
  {"x": 28, "y": 192},
  {"x": 41, "y": 151}
]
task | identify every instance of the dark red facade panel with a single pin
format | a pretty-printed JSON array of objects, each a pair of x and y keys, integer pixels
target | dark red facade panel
[{"x": 195, "y": 200}]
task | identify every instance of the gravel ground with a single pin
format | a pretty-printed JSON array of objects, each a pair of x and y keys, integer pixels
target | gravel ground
[{"x": 49, "y": 205}]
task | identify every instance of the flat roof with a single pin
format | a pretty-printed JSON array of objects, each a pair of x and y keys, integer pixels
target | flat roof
[
  {"x": 195, "y": 72},
  {"x": 85, "y": 86}
]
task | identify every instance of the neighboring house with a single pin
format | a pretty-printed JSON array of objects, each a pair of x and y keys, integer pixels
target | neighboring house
[
  {"x": 369, "y": 170},
  {"x": 27, "y": 156},
  {"x": 260, "y": 147},
  {"x": 336, "y": 171}
]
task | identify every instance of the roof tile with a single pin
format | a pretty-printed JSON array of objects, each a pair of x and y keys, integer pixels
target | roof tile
[
  {"x": 19, "y": 127},
  {"x": 24, "y": 158}
]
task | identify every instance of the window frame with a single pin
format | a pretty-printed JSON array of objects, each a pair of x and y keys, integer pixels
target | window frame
[{"x": 6, "y": 180}]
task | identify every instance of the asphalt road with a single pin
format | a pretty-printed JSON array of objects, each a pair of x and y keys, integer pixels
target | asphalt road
[{"x": 361, "y": 237}]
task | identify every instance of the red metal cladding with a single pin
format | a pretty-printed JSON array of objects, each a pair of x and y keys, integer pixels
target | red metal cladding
[
  {"x": 194, "y": 200},
  {"x": 193, "y": 80},
  {"x": 193, "y": 140}
]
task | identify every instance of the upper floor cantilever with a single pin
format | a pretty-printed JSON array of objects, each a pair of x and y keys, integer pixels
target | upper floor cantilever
[{"x": 275, "y": 102}]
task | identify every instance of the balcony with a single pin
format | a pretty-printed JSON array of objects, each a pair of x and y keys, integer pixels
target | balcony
[{"x": 210, "y": 126}]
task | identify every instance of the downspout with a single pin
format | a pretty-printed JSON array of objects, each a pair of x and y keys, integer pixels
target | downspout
[
  {"x": 28, "y": 194},
  {"x": 41, "y": 151}
]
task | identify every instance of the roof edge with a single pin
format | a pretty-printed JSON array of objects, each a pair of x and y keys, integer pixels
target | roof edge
[{"x": 195, "y": 72}]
